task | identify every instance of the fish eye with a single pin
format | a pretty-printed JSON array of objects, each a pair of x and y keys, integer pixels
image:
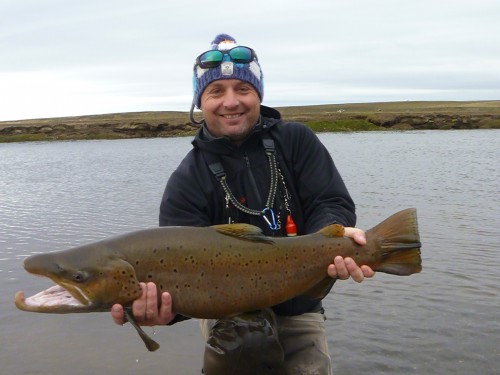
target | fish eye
[{"x": 80, "y": 276}]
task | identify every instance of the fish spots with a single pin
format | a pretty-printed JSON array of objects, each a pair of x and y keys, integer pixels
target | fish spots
[{"x": 190, "y": 259}]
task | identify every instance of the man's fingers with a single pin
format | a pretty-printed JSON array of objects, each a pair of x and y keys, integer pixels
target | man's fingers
[
  {"x": 139, "y": 305},
  {"x": 343, "y": 268},
  {"x": 117, "y": 314},
  {"x": 165, "y": 313},
  {"x": 151, "y": 313},
  {"x": 353, "y": 269},
  {"x": 340, "y": 266},
  {"x": 358, "y": 235},
  {"x": 367, "y": 271}
]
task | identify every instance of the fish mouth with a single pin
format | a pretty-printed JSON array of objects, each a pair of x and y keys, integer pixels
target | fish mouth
[{"x": 55, "y": 299}]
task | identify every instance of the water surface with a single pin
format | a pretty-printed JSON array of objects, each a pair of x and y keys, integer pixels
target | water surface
[{"x": 55, "y": 195}]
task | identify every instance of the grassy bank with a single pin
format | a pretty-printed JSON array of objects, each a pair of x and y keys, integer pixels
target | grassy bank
[{"x": 321, "y": 118}]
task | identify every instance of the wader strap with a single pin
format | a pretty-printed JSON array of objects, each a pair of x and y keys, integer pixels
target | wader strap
[{"x": 217, "y": 169}]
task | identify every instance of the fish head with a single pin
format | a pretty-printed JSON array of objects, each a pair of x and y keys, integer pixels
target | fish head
[{"x": 87, "y": 280}]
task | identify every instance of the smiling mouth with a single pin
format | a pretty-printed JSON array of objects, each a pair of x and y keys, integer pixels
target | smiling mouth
[{"x": 232, "y": 116}]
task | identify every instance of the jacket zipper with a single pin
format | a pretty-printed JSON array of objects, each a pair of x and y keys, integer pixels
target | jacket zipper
[{"x": 253, "y": 183}]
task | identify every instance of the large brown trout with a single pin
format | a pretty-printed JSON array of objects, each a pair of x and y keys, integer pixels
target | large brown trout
[{"x": 214, "y": 272}]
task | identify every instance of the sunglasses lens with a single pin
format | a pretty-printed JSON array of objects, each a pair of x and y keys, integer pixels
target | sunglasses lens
[
  {"x": 210, "y": 59},
  {"x": 241, "y": 54}
]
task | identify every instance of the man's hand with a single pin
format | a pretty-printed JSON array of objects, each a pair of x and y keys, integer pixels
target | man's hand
[
  {"x": 343, "y": 268},
  {"x": 145, "y": 309}
]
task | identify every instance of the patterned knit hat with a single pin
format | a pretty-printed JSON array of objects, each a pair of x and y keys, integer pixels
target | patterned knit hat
[{"x": 248, "y": 72}]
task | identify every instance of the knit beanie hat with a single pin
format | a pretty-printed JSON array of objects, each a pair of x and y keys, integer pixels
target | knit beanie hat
[{"x": 248, "y": 72}]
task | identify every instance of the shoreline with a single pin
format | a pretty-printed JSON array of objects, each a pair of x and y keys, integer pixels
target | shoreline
[{"x": 407, "y": 115}]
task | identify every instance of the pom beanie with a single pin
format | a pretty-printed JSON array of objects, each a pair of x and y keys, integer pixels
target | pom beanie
[{"x": 248, "y": 72}]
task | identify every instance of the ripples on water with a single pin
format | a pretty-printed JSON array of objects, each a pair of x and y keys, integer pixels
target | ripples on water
[{"x": 442, "y": 321}]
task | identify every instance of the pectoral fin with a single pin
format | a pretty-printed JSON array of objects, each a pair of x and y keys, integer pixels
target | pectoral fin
[{"x": 151, "y": 344}]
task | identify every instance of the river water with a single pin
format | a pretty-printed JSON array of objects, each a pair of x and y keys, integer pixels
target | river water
[{"x": 445, "y": 320}]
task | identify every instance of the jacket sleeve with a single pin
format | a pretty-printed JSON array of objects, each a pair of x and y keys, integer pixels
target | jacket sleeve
[
  {"x": 187, "y": 197},
  {"x": 184, "y": 201},
  {"x": 322, "y": 192}
]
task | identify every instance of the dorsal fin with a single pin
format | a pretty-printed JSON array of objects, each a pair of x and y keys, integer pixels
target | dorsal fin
[
  {"x": 332, "y": 230},
  {"x": 243, "y": 232}
]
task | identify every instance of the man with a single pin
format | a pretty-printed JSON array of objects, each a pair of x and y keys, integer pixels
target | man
[{"x": 249, "y": 166}]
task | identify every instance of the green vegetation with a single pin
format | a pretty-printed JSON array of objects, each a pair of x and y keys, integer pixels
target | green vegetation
[
  {"x": 22, "y": 138},
  {"x": 321, "y": 118},
  {"x": 346, "y": 125}
]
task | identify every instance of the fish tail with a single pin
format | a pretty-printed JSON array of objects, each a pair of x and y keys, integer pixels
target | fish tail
[{"x": 399, "y": 242}]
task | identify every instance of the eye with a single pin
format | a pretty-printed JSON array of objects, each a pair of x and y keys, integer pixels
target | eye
[
  {"x": 215, "y": 91},
  {"x": 80, "y": 276}
]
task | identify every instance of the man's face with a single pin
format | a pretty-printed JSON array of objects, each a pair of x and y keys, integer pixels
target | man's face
[{"x": 231, "y": 108}]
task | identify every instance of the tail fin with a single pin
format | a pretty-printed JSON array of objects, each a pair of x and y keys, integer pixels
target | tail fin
[{"x": 400, "y": 243}]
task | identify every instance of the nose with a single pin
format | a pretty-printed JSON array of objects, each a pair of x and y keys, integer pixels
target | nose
[{"x": 231, "y": 99}]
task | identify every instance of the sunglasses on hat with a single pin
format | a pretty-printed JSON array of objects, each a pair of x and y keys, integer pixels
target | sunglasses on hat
[{"x": 214, "y": 58}]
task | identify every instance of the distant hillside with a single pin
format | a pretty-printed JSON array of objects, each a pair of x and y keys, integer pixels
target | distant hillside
[{"x": 332, "y": 117}]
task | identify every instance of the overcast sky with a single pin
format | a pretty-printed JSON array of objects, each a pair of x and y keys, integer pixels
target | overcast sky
[{"x": 67, "y": 57}]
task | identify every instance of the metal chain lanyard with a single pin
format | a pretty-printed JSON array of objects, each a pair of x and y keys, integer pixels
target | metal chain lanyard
[{"x": 267, "y": 213}]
